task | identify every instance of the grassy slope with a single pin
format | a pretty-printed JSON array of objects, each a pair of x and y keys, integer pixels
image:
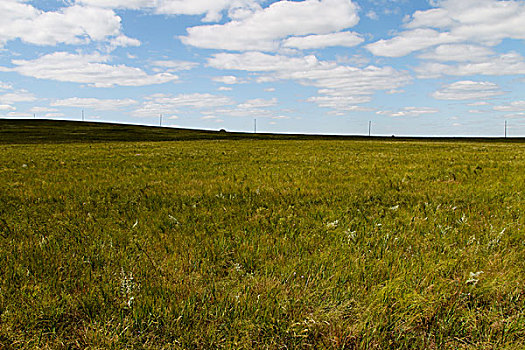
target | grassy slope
[
  {"x": 55, "y": 131},
  {"x": 268, "y": 244}
]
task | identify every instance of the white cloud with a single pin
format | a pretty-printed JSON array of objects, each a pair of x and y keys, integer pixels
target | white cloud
[
  {"x": 228, "y": 80},
  {"x": 250, "y": 108},
  {"x": 88, "y": 69},
  {"x": 346, "y": 39},
  {"x": 6, "y": 107},
  {"x": 258, "y": 103},
  {"x": 42, "y": 109},
  {"x": 212, "y": 8},
  {"x": 123, "y": 41},
  {"x": 515, "y": 106},
  {"x": 467, "y": 90},
  {"x": 341, "y": 103},
  {"x": 261, "y": 62},
  {"x": 355, "y": 60},
  {"x": 212, "y": 118},
  {"x": 479, "y": 103},
  {"x": 17, "y": 96},
  {"x": 270, "y": 90},
  {"x": 54, "y": 115},
  {"x": 372, "y": 15},
  {"x": 94, "y": 103},
  {"x": 264, "y": 28},
  {"x": 5, "y": 86},
  {"x": 120, "y": 4},
  {"x": 74, "y": 24},
  {"x": 237, "y": 9},
  {"x": 410, "y": 41},
  {"x": 511, "y": 63},
  {"x": 225, "y": 88},
  {"x": 167, "y": 104},
  {"x": 192, "y": 100},
  {"x": 410, "y": 112},
  {"x": 19, "y": 115},
  {"x": 480, "y": 21},
  {"x": 478, "y": 111},
  {"x": 243, "y": 112},
  {"x": 518, "y": 115},
  {"x": 340, "y": 87},
  {"x": 457, "y": 53}
]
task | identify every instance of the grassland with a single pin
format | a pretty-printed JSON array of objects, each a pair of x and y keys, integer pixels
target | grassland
[{"x": 268, "y": 244}]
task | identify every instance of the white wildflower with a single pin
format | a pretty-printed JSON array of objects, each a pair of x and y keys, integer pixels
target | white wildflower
[
  {"x": 333, "y": 224},
  {"x": 172, "y": 218},
  {"x": 474, "y": 278}
]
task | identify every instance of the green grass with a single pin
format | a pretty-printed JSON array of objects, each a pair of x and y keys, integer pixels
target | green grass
[{"x": 242, "y": 244}]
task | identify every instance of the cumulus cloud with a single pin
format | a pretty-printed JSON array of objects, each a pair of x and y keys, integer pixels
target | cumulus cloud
[
  {"x": 39, "y": 109},
  {"x": 511, "y": 63},
  {"x": 5, "y": 86},
  {"x": 19, "y": 115},
  {"x": 88, "y": 69},
  {"x": 74, "y": 24},
  {"x": 457, "y": 53},
  {"x": 167, "y": 104},
  {"x": 410, "y": 41},
  {"x": 228, "y": 80},
  {"x": 54, "y": 115},
  {"x": 258, "y": 103},
  {"x": 263, "y": 29},
  {"x": 94, "y": 103},
  {"x": 481, "y": 21},
  {"x": 468, "y": 90},
  {"x": 120, "y": 4},
  {"x": 4, "y": 107},
  {"x": 17, "y": 96},
  {"x": 515, "y": 106},
  {"x": 212, "y": 9},
  {"x": 346, "y": 39},
  {"x": 340, "y": 87},
  {"x": 261, "y": 62},
  {"x": 258, "y": 107},
  {"x": 409, "y": 112}
]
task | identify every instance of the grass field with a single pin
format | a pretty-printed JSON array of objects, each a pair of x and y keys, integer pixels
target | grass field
[{"x": 266, "y": 244}]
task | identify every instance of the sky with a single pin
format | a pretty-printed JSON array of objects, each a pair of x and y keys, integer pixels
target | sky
[{"x": 412, "y": 68}]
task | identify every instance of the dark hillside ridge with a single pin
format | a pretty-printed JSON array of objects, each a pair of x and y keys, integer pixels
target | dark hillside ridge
[{"x": 34, "y": 131}]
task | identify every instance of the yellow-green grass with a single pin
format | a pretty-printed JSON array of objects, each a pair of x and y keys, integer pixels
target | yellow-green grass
[{"x": 262, "y": 244}]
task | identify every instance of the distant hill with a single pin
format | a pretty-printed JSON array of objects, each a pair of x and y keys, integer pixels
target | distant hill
[
  {"x": 56, "y": 131},
  {"x": 28, "y": 131}
]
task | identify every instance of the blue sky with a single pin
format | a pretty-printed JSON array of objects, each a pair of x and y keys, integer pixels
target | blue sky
[{"x": 312, "y": 66}]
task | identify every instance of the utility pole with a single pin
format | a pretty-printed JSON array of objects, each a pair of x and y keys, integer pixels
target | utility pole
[
  {"x": 34, "y": 115},
  {"x": 505, "y": 129},
  {"x": 255, "y": 126},
  {"x": 160, "y": 120},
  {"x": 82, "y": 115},
  {"x": 369, "y": 128}
]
